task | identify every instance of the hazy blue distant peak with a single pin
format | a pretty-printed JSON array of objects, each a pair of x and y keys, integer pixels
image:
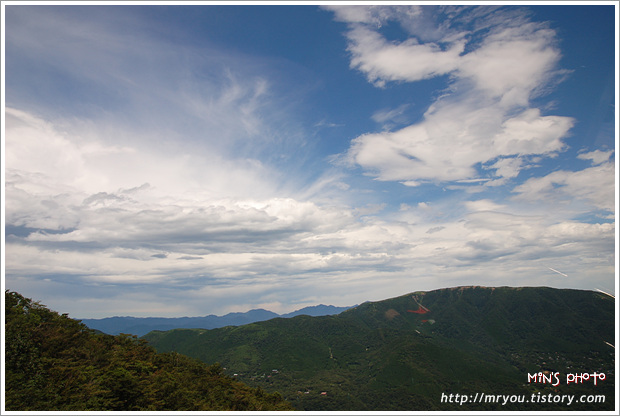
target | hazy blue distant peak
[
  {"x": 141, "y": 326},
  {"x": 318, "y": 310}
]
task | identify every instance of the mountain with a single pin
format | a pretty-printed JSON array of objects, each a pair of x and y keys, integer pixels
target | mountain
[
  {"x": 413, "y": 352},
  {"x": 54, "y": 363},
  {"x": 140, "y": 326},
  {"x": 318, "y": 310}
]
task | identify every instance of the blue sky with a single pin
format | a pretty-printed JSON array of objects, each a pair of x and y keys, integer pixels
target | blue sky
[{"x": 189, "y": 160}]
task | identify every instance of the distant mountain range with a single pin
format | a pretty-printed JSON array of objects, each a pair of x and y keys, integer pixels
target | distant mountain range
[
  {"x": 425, "y": 351},
  {"x": 141, "y": 326}
]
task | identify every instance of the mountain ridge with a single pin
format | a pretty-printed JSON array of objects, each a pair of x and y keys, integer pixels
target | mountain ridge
[
  {"x": 402, "y": 353},
  {"x": 139, "y": 326}
]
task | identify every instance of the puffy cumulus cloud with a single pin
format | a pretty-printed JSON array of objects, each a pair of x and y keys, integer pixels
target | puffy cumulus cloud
[
  {"x": 82, "y": 211},
  {"x": 410, "y": 60},
  {"x": 54, "y": 172},
  {"x": 188, "y": 216},
  {"x": 506, "y": 56},
  {"x": 594, "y": 186},
  {"x": 506, "y": 168},
  {"x": 597, "y": 157},
  {"x": 474, "y": 135},
  {"x": 512, "y": 63},
  {"x": 484, "y": 116}
]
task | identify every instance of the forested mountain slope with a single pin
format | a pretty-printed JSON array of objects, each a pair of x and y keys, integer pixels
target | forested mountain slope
[
  {"x": 56, "y": 363},
  {"x": 404, "y": 353}
]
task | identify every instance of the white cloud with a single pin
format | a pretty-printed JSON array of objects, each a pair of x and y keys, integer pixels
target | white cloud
[
  {"x": 382, "y": 61},
  {"x": 375, "y": 15},
  {"x": 136, "y": 214},
  {"x": 512, "y": 63},
  {"x": 594, "y": 186},
  {"x": 269, "y": 249},
  {"x": 506, "y": 168},
  {"x": 477, "y": 135},
  {"x": 483, "y": 205},
  {"x": 529, "y": 133},
  {"x": 484, "y": 116},
  {"x": 388, "y": 117},
  {"x": 597, "y": 156},
  {"x": 122, "y": 79},
  {"x": 75, "y": 168},
  {"x": 170, "y": 192}
]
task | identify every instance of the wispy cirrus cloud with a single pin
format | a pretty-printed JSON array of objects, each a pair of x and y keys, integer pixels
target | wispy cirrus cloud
[
  {"x": 388, "y": 118},
  {"x": 117, "y": 72}
]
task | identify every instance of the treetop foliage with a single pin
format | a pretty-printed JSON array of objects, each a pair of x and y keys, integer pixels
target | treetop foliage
[{"x": 54, "y": 363}]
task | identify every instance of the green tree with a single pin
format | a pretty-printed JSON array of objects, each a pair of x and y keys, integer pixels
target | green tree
[{"x": 57, "y": 363}]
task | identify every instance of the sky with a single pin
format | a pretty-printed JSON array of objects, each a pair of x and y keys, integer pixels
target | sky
[{"x": 165, "y": 160}]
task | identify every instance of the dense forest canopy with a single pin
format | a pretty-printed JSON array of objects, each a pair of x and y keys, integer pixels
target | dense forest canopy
[
  {"x": 402, "y": 354},
  {"x": 57, "y": 363}
]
